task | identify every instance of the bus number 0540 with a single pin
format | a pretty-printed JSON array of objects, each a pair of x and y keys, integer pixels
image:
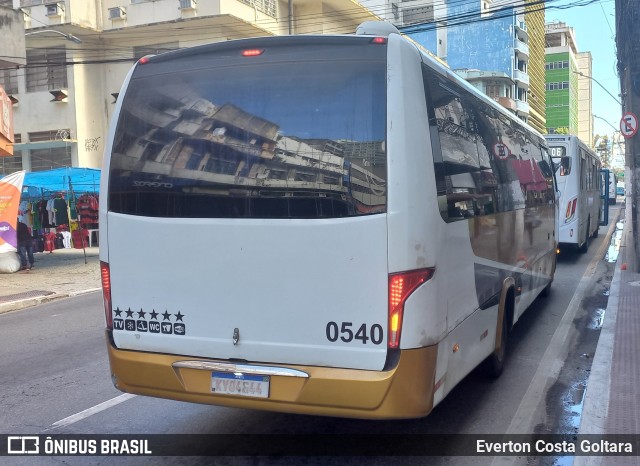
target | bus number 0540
[{"x": 345, "y": 332}]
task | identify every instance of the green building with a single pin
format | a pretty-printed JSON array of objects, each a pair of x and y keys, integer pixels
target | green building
[{"x": 561, "y": 79}]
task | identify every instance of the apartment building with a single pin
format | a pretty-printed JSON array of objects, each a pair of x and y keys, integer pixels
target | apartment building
[
  {"x": 11, "y": 56},
  {"x": 78, "y": 53},
  {"x": 562, "y": 79},
  {"x": 488, "y": 43},
  {"x": 585, "y": 97}
]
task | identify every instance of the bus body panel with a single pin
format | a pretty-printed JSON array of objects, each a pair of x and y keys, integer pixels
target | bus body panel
[
  {"x": 280, "y": 292},
  {"x": 327, "y": 391},
  {"x": 415, "y": 228}
]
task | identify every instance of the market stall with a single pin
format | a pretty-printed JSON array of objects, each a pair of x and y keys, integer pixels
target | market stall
[{"x": 60, "y": 207}]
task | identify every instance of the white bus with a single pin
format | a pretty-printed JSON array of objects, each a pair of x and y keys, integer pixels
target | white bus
[
  {"x": 578, "y": 177},
  {"x": 329, "y": 225}
]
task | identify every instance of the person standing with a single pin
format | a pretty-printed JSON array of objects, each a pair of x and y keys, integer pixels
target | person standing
[{"x": 25, "y": 246}]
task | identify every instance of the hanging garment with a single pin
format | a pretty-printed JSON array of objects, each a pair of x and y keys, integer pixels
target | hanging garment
[
  {"x": 51, "y": 213},
  {"x": 60, "y": 210},
  {"x": 66, "y": 239},
  {"x": 49, "y": 241}
]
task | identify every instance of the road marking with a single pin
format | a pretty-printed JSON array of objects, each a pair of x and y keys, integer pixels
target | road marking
[
  {"x": 90, "y": 411},
  {"x": 552, "y": 361}
]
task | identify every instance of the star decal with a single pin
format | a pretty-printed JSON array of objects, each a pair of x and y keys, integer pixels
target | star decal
[
  {"x": 166, "y": 316},
  {"x": 129, "y": 313},
  {"x": 154, "y": 314},
  {"x": 141, "y": 313},
  {"x": 179, "y": 317},
  {"x": 118, "y": 311}
]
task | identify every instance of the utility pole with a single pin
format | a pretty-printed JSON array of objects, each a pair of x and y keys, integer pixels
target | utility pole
[{"x": 627, "y": 44}]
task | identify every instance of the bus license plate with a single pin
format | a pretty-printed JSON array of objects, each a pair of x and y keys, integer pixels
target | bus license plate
[{"x": 233, "y": 383}]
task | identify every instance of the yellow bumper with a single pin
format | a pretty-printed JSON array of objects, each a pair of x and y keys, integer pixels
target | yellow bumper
[{"x": 403, "y": 392}]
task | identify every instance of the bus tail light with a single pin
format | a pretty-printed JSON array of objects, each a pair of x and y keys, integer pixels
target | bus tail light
[
  {"x": 105, "y": 276},
  {"x": 401, "y": 285},
  {"x": 252, "y": 52},
  {"x": 571, "y": 210}
]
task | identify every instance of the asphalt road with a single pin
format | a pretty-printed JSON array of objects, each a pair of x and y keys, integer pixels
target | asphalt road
[{"x": 55, "y": 379}]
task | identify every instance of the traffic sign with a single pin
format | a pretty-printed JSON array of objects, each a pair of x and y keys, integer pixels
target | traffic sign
[
  {"x": 501, "y": 150},
  {"x": 629, "y": 125}
]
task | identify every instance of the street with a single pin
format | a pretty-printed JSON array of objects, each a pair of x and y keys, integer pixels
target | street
[{"x": 55, "y": 379}]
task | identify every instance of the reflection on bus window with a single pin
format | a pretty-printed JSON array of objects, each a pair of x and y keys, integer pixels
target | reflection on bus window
[{"x": 247, "y": 142}]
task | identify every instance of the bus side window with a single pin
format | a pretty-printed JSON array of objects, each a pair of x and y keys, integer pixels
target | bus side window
[
  {"x": 454, "y": 138},
  {"x": 565, "y": 166}
]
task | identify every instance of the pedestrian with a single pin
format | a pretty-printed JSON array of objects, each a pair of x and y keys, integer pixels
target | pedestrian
[{"x": 25, "y": 247}]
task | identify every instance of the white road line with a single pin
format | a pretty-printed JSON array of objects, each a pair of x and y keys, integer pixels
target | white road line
[
  {"x": 524, "y": 421},
  {"x": 90, "y": 411}
]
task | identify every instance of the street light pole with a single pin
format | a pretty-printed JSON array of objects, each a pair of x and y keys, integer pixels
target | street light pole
[
  {"x": 598, "y": 83},
  {"x": 70, "y": 37},
  {"x": 600, "y": 118}
]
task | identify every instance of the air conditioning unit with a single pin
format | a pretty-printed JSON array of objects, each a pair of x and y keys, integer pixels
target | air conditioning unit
[
  {"x": 188, "y": 4},
  {"x": 59, "y": 95},
  {"x": 54, "y": 10},
  {"x": 117, "y": 13}
]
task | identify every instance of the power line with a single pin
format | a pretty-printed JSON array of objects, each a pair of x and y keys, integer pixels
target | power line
[{"x": 89, "y": 55}]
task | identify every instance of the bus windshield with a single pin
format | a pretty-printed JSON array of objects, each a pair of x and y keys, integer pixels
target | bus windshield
[
  {"x": 560, "y": 160},
  {"x": 278, "y": 136}
]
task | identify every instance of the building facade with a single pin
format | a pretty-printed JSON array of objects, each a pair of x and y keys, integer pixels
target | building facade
[
  {"x": 561, "y": 79},
  {"x": 78, "y": 53},
  {"x": 11, "y": 57},
  {"x": 585, "y": 97},
  {"x": 486, "y": 41}
]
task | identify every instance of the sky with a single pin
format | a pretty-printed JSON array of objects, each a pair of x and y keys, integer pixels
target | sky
[{"x": 594, "y": 28}]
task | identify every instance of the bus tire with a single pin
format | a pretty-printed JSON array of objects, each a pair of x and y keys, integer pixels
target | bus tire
[
  {"x": 494, "y": 364},
  {"x": 585, "y": 246}
]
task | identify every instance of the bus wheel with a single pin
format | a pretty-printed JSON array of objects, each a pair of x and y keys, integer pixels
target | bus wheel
[
  {"x": 585, "y": 246},
  {"x": 495, "y": 362}
]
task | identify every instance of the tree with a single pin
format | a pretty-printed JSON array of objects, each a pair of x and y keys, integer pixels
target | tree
[{"x": 603, "y": 148}]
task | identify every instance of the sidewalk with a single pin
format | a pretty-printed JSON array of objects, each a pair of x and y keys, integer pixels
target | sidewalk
[
  {"x": 61, "y": 273},
  {"x": 612, "y": 400}
]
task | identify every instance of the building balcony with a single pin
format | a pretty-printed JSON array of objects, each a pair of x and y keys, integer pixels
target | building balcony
[
  {"x": 506, "y": 102},
  {"x": 521, "y": 78},
  {"x": 522, "y": 49},
  {"x": 522, "y": 107},
  {"x": 521, "y": 31}
]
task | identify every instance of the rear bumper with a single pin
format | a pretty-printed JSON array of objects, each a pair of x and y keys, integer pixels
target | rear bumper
[{"x": 405, "y": 391}]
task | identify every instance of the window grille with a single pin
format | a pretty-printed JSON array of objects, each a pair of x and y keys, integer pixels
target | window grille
[
  {"x": 9, "y": 81},
  {"x": 46, "y": 70},
  {"x": 48, "y": 159},
  {"x": 268, "y": 7},
  {"x": 12, "y": 164}
]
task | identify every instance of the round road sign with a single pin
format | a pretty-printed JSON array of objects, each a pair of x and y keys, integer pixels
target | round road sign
[{"x": 629, "y": 125}]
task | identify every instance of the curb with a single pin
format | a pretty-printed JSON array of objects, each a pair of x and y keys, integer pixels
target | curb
[{"x": 30, "y": 302}]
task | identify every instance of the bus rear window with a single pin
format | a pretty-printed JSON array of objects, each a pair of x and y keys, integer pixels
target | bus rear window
[{"x": 272, "y": 136}]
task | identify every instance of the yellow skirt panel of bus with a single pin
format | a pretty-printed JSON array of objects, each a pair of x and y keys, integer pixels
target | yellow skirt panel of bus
[{"x": 403, "y": 392}]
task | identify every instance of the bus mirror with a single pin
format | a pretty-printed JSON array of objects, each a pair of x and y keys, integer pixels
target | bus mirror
[{"x": 565, "y": 166}]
